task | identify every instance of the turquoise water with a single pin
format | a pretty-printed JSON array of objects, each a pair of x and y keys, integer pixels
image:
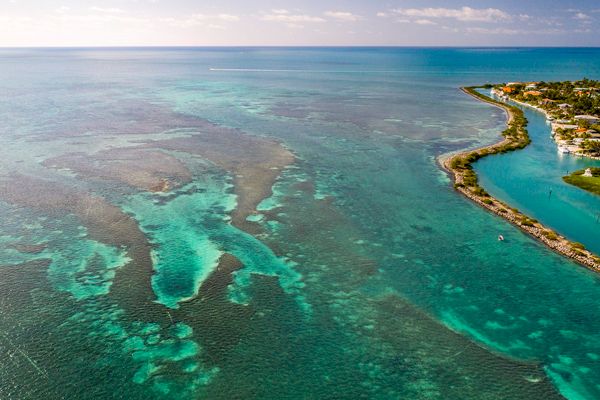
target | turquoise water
[
  {"x": 364, "y": 274},
  {"x": 571, "y": 211}
]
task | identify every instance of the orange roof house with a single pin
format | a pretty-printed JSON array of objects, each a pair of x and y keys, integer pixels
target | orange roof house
[{"x": 507, "y": 89}]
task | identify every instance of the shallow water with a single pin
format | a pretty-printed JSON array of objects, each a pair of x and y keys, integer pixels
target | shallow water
[{"x": 369, "y": 276}]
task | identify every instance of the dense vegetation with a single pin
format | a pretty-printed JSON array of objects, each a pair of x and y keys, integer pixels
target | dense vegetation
[
  {"x": 573, "y": 106},
  {"x": 583, "y": 95},
  {"x": 591, "y": 184}
]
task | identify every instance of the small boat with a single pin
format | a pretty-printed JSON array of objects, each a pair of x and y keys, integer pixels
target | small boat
[{"x": 500, "y": 238}]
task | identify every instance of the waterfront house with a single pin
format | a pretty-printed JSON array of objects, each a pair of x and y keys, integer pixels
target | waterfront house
[
  {"x": 564, "y": 126},
  {"x": 564, "y": 106},
  {"x": 588, "y": 173},
  {"x": 592, "y": 119}
]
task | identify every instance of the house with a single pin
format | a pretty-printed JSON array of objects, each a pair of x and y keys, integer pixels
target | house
[
  {"x": 507, "y": 89},
  {"x": 588, "y": 173},
  {"x": 514, "y": 83},
  {"x": 564, "y": 126},
  {"x": 534, "y": 93},
  {"x": 592, "y": 119},
  {"x": 564, "y": 106}
]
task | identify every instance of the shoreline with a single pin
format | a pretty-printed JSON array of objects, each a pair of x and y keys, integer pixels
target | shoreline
[
  {"x": 465, "y": 182},
  {"x": 548, "y": 120}
]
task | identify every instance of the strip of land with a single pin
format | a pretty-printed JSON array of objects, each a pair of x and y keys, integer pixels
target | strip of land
[{"x": 515, "y": 137}]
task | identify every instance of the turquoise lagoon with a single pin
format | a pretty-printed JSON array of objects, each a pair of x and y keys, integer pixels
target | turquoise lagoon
[
  {"x": 572, "y": 211},
  {"x": 369, "y": 278}
]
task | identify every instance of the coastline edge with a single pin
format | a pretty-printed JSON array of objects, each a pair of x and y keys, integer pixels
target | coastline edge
[{"x": 459, "y": 166}]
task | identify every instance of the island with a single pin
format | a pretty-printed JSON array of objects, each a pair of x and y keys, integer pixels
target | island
[
  {"x": 515, "y": 137},
  {"x": 587, "y": 179}
]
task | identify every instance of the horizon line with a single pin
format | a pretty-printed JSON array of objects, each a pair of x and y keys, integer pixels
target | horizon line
[{"x": 301, "y": 46}]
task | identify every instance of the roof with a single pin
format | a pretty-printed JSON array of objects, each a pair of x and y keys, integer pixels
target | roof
[
  {"x": 588, "y": 117},
  {"x": 566, "y": 126}
]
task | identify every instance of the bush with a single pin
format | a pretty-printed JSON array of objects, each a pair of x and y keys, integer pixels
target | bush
[
  {"x": 479, "y": 191},
  {"x": 526, "y": 221},
  {"x": 550, "y": 235}
]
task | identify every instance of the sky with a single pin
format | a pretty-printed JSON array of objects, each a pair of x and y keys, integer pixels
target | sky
[{"x": 26, "y": 23}]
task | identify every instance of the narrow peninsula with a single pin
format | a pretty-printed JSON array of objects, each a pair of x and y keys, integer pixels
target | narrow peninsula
[{"x": 515, "y": 137}]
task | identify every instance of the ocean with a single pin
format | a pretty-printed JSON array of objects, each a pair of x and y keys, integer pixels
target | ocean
[{"x": 272, "y": 223}]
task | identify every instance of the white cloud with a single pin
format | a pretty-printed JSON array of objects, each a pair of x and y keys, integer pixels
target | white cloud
[
  {"x": 228, "y": 17},
  {"x": 508, "y": 31},
  {"x": 382, "y": 15},
  {"x": 581, "y": 16},
  {"x": 461, "y": 14},
  {"x": 495, "y": 31},
  {"x": 424, "y": 22},
  {"x": 110, "y": 10},
  {"x": 206, "y": 20},
  {"x": 342, "y": 15},
  {"x": 280, "y": 11},
  {"x": 291, "y": 18}
]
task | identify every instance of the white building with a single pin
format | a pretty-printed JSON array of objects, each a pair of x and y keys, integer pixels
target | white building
[
  {"x": 588, "y": 173},
  {"x": 592, "y": 119}
]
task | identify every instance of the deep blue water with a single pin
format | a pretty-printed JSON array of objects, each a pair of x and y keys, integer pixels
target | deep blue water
[{"x": 368, "y": 275}]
